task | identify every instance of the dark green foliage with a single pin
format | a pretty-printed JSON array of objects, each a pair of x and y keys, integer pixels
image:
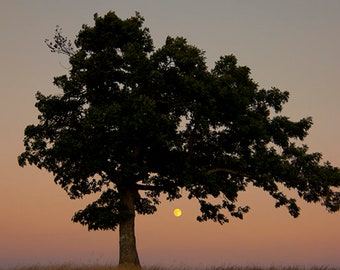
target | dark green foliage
[
  {"x": 135, "y": 119},
  {"x": 102, "y": 214}
]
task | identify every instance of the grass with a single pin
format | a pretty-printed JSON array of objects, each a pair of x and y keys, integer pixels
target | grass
[{"x": 108, "y": 267}]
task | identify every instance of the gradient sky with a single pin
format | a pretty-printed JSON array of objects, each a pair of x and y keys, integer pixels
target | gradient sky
[{"x": 293, "y": 45}]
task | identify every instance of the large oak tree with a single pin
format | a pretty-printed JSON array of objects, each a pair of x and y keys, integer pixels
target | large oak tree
[{"x": 133, "y": 122}]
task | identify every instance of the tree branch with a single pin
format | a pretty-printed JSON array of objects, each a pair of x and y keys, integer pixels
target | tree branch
[
  {"x": 61, "y": 44},
  {"x": 148, "y": 187},
  {"x": 217, "y": 170}
]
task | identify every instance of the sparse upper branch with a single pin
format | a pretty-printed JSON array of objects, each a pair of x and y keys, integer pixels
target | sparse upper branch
[{"x": 61, "y": 44}]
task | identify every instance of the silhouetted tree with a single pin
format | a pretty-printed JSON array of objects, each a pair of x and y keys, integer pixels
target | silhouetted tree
[{"x": 133, "y": 122}]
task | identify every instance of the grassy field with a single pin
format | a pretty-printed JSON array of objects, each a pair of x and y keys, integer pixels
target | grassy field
[{"x": 99, "y": 267}]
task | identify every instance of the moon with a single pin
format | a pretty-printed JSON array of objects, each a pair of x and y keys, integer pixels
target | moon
[{"x": 177, "y": 212}]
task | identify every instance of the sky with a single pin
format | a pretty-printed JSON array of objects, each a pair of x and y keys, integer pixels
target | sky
[{"x": 292, "y": 45}]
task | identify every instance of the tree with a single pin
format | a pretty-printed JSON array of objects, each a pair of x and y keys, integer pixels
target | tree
[{"x": 134, "y": 122}]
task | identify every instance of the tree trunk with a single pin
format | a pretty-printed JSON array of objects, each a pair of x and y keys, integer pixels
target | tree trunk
[{"x": 128, "y": 255}]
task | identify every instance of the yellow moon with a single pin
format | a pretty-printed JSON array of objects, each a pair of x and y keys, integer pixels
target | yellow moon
[{"x": 177, "y": 212}]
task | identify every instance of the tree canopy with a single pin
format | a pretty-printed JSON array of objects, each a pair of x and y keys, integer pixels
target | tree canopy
[{"x": 133, "y": 122}]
